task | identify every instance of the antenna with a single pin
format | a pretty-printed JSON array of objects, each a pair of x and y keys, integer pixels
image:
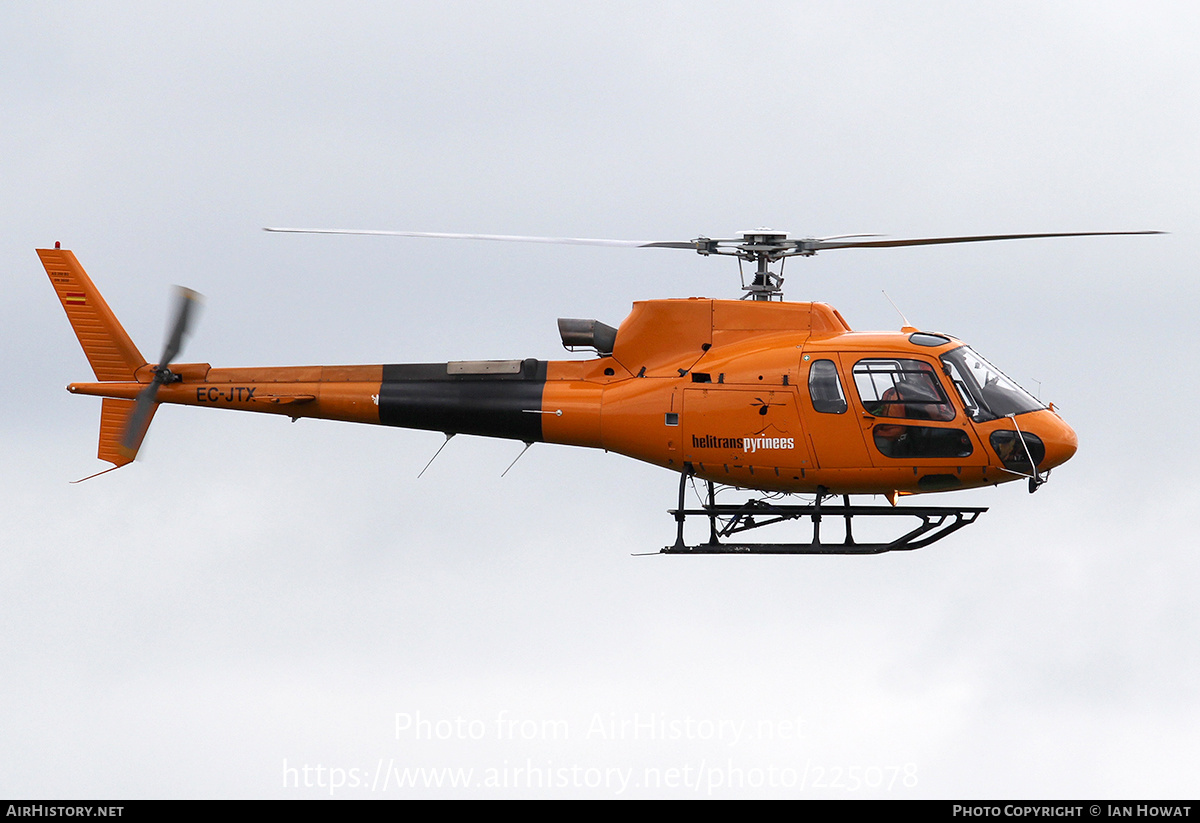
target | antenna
[
  {"x": 897, "y": 308},
  {"x": 436, "y": 453},
  {"x": 518, "y": 457}
]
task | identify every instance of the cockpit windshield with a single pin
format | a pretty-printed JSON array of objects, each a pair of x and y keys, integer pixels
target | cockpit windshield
[{"x": 986, "y": 393}]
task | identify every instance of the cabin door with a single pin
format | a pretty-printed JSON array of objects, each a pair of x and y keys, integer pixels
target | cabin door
[{"x": 746, "y": 428}]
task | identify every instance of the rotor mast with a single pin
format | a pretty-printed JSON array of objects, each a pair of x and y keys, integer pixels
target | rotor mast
[
  {"x": 766, "y": 285},
  {"x": 761, "y": 247}
]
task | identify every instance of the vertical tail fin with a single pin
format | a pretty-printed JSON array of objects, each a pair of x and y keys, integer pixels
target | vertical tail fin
[{"x": 109, "y": 350}]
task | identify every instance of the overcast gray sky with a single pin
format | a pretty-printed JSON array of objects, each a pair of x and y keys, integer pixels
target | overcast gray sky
[{"x": 261, "y": 609}]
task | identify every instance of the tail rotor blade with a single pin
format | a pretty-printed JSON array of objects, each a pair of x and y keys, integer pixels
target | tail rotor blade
[
  {"x": 139, "y": 421},
  {"x": 185, "y": 300}
]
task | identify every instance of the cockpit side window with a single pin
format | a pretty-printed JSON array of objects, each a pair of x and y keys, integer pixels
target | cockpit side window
[
  {"x": 899, "y": 387},
  {"x": 825, "y": 388}
]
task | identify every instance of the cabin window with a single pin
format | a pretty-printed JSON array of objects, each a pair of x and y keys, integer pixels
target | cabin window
[
  {"x": 898, "y": 387},
  {"x": 923, "y": 338},
  {"x": 921, "y": 441},
  {"x": 825, "y": 389},
  {"x": 1014, "y": 454}
]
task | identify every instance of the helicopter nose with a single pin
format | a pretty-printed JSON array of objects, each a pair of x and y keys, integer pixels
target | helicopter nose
[{"x": 1059, "y": 439}]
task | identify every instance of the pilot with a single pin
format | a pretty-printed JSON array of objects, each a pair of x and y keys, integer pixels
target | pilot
[
  {"x": 922, "y": 399},
  {"x": 915, "y": 398}
]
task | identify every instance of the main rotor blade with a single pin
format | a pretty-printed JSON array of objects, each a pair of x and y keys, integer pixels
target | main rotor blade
[
  {"x": 833, "y": 243},
  {"x": 762, "y": 245},
  {"x": 507, "y": 238}
]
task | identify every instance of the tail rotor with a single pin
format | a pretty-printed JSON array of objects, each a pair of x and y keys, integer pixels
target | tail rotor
[{"x": 186, "y": 303}]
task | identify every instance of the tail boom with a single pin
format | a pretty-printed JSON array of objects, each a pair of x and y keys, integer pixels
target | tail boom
[{"x": 445, "y": 397}]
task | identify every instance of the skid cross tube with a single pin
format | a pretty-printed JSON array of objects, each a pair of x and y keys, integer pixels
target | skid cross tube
[{"x": 935, "y": 522}]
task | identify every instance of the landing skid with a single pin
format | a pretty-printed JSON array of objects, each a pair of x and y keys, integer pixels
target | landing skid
[{"x": 725, "y": 520}]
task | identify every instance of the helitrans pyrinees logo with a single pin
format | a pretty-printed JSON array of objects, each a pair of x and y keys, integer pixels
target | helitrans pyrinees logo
[{"x": 746, "y": 444}]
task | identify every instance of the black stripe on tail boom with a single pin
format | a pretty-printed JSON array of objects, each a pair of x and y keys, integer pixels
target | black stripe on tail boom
[{"x": 448, "y": 398}]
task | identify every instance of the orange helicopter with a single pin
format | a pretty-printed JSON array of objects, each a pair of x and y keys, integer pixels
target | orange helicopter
[{"x": 755, "y": 394}]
